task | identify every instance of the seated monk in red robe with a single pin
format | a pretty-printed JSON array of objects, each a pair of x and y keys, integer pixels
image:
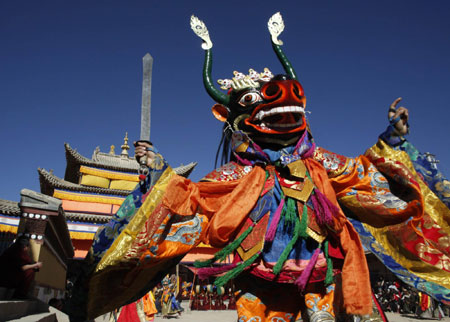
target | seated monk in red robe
[{"x": 17, "y": 269}]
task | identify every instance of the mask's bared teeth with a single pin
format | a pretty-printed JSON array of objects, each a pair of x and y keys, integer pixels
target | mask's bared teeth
[{"x": 278, "y": 110}]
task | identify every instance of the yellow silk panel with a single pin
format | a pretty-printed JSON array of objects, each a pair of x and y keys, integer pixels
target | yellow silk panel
[
  {"x": 121, "y": 245},
  {"x": 433, "y": 209},
  {"x": 125, "y": 269}
]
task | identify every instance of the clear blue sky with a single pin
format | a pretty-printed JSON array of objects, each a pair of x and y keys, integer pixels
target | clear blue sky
[{"x": 71, "y": 72}]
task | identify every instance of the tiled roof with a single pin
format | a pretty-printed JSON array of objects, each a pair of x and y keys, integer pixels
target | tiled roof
[
  {"x": 185, "y": 170},
  {"x": 87, "y": 217},
  {"x": 8, "y": 207},
  {"x": 115, "y": 161},
  {"x": 49, "y": 182},
  {"x": 108, "y": 161}
]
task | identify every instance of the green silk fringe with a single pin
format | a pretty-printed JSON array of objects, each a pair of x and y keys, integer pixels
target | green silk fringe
[
  {"x": 309, "y": 177},
  {"x": 227, "y": 250},
  {"x": 329, "y": 275},
  {"x": 304, "y": 222},
  {"x": 222, "y": 280},
  {"x": 289, "y": 212},
  {"x": 284, "y": 255}
]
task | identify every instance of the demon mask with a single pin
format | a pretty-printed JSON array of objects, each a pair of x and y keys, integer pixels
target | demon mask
[{"x": 269, "y": 109}]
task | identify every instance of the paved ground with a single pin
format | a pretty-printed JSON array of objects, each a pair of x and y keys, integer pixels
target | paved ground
[
  {"x": 231, "y": 316},
  {"x": 394, "y": 317},
  {"x": 202, "y": 316}
]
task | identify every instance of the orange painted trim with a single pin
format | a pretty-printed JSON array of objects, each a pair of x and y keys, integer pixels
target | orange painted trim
[
  {"x": 89, "y": 207},
  {"x": 80, "y": 253}
]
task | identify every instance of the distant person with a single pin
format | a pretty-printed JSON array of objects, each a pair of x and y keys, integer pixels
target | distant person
[
  {"x": 150, "y": 310},
  {"x": 17, "y": 269},
  {"x": 169, "y": 303}
]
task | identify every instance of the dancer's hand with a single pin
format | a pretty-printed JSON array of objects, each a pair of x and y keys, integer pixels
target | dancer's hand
[
  {"x": 398, "y": 117},
  {"x": 140, "y": 149}
]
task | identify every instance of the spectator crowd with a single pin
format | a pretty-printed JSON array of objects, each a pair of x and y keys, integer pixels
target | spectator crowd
[{"x": 398, "y": 297}]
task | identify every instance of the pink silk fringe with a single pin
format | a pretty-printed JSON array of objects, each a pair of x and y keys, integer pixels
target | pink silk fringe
[
  {"x": 258, "y": 148},
  {"x": 303, "y": 279},
  {"x": 270, "y": 234},
  {"x": 205, "y": 272},
  {"x": 300, "y": 141},
  {"x": 324, "y": 209},
  {"x": 243, "y": 161},
  {"x": 310, "y": 152}
]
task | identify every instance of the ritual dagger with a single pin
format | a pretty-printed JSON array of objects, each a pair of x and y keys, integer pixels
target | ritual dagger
[{"x": 147, "y": 62}]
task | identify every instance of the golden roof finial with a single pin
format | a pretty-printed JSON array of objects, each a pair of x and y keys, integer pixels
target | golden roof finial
[
  {"x": 125, "y": 147},
  {"x": 111, "y": 150}
]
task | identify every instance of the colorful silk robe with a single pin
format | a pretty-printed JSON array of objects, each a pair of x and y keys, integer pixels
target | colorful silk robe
[{"x": 397, "y": 216}]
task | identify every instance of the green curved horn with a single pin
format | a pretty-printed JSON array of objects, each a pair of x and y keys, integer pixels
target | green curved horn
[
  {"x": 200, "y": 30},
  {"x": 276, "y": 27},
  {"x": 284, "y": 61},
  {"x": 216, "y": 94}
]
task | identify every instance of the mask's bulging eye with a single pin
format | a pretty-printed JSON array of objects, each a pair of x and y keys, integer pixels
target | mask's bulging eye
[{"x": 249, "y": 99}]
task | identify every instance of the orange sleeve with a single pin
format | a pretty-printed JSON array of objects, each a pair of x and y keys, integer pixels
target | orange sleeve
[{"x": 226, "y": 203}]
